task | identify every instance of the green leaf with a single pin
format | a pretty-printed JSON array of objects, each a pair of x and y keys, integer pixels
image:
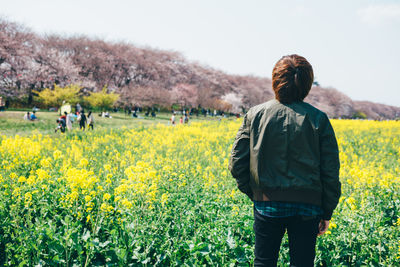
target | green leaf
[{"x": 86, "y": 235}]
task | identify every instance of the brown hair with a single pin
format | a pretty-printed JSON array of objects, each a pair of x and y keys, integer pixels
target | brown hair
[{"x": 292, "y": 78}]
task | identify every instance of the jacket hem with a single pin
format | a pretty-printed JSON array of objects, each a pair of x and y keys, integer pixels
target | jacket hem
[{"x": 288, "y": 195}]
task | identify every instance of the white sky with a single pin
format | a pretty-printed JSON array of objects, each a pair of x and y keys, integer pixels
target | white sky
[{"x": 353, "y": 46}]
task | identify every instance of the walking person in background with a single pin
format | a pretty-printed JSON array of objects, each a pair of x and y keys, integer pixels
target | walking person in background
[
  {"x": 90, "y": 120},
  {"x": 82, "y": 120},
  {"x": 285, "y": 158}
]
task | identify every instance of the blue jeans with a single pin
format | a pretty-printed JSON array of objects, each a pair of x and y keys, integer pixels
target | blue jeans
[{"x": 302, "y": 233}]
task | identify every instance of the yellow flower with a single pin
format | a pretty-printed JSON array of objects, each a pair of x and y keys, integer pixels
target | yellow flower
[
  {"x": 31, "y": 180},
  {"x": 41, "y": 175},
  {"x": 351, "y": 203},
  {"x": 126, "y": 203},
  {"x": 106, "y": 208},
  {"x": 332, "y": 225},
  {"x": 45, "y": 163},
  {"x": 106, "y": 196},
  {"x": 57, "y": 154},
  {"x": 164, "y": 199},
  {"x": 83, "y": 162},
  {"x": 89, "y": 207},
  {"x": 232, "y": 194},
  {"x": 28, "y": 198},
  {"x": 88, "y": 198},
  {"x": 107, "y": 167},
  {"x": 235, "y": 210}
]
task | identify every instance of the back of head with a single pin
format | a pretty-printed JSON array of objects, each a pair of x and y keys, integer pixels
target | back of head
[{"x": 292, "y": 78}]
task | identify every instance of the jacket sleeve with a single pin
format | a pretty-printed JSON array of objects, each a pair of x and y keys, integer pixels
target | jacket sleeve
[
  {"x": 329, "y": 168},
  {"x": 239, "y": 163}
]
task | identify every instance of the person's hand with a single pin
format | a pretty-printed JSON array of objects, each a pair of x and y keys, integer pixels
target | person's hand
[{"x": 323, "y": 226}]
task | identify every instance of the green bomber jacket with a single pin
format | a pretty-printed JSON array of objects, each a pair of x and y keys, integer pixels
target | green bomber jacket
[{"x": 287, "y": 152}]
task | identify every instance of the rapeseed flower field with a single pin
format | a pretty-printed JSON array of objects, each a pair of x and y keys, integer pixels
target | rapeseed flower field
[{"x": 162, "y": 195}]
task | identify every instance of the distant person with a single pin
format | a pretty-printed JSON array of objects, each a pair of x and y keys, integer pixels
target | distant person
[
  {"x": 33, "y": 116},
  {"x": 27, "y": 116},
  {"x": 60, "y": 126},
  {"x": 64, "y": 117},
  {"x": 82, "y": 120},
  {"x": 173, "y": 119},
  {"x": 186, "y": 120},
  {"x": 105, "y": 114},
  {"x": 69, "y": 120},
  {"x": 78, "y": 108},
  {"x": 2, "y": 104},
  {"x": 181, "y": 120},
  {"x": 285, "y": 158},
  {"x": 90, "y": 120},
  {"x": 62, "y": 122}
]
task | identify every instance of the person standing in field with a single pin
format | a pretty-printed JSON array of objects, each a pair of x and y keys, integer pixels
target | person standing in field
[
  {"x": 68, "y": 118},
  {"x": 82, "y": 121},
  {"x": 173, "y": 118},
  {"x": 90, "y": 120},
  {"x": 285, "y": 158}
]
